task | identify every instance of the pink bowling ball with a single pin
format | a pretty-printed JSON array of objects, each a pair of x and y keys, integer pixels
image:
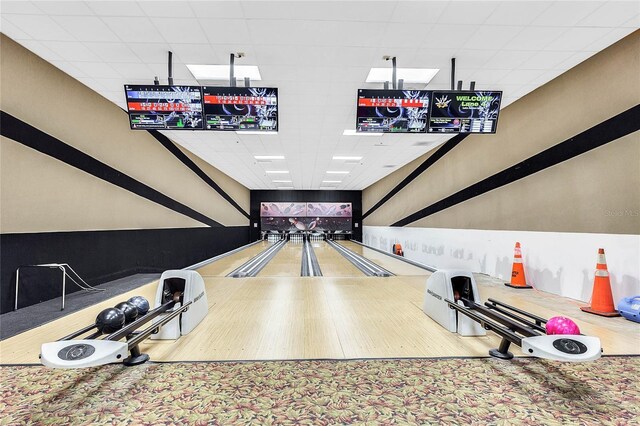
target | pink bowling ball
[{"x": 562, "y": 325}]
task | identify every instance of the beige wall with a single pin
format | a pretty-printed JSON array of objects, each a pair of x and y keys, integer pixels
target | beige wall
[
  {"x": 43, "y": 96},
  {"x": 578, "y": 195}
]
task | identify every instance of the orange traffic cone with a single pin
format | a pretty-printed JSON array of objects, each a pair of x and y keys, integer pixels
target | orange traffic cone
[
  {"x": 517, "y": 273},
  {"x": 601, "y": 298}
]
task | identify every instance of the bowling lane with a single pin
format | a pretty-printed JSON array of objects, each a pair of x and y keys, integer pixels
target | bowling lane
[
  {"x": 227, "y": 264},
  {"x": 396, "y": 266},
  {"x": 332, "y": 263},
  {"x": 286, "y": 263}
]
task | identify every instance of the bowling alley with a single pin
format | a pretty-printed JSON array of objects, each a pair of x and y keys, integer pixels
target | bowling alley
[{"x": 230, "y": 212}]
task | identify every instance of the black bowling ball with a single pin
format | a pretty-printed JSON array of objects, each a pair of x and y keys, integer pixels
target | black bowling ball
[
  {"x": 141, "y": 303},
  {"x": 130, "y": 311},
  {"x": 110, "y": 320}
]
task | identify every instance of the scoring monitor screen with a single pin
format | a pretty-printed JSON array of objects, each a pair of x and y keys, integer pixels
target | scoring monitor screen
[
  {"x": 392, "y": 111},
  {"x": 241, "y": 108},
  {"x": 164, "y": 107},
  {"x": 464, "y": 112}
]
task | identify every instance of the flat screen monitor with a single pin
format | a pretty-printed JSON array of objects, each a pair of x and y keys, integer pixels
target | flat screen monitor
[
  {"x": 164, "y": 107},
  {"x": 464, "y": 112},
  {"x": 240, "y": 108},
  {"x": 392, "y": 111}
]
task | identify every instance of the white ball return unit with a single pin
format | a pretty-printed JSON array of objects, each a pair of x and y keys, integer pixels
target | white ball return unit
[
  {"x": 453, "y": 301},
  {"x": 180, "y": 305}
]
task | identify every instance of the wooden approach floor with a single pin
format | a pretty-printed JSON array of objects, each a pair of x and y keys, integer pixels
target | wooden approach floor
[{"x": 342, "y": 315}]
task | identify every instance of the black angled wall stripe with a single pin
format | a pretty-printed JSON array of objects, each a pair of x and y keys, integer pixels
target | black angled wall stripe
[
  {"x": 166, "y": 142},
  {"x": 609, "y": 130},
  {"x": 21, "y": 132},
  {"x": 444, "y": 149}
]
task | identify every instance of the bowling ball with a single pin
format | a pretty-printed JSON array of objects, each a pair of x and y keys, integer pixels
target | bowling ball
[
  {"x": 110, "y": 320},
  {"x": 562, "y": 325},
  {"x": 141, "y": 303},
  {"x": 130, "y": 311}
]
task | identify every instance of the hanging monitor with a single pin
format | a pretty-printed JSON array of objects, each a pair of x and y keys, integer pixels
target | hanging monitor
[
  {"x": 241, "y": 108},
  {"x": 164, "y": 107},
  {"x": 464, "y": 112},
  {"x": 392, "y": 111}
]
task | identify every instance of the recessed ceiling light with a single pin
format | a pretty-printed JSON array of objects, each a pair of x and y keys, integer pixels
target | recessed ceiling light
[
  {"x": 221, "y": 72},
  {"x": 409, "y": 75},
  {"x": 269, "y": 157},
  {"x": 341, "y": 157},
  {"x": 331, "y": 181},
  {"x": 277, "y": 172},
  {"x": 281, "y": 181},
  {"x": 349, "y": 132},
  {"x": 337, "y": 172},
  {"x": 254, "y": 132}
]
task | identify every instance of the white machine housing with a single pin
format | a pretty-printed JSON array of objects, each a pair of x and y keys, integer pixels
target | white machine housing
[
  {"x": 561, "y": 347},
  {"x": 440, "y": 286},
  {"x": 82, "y": 353},
  {"x": 192, "y": 284}
]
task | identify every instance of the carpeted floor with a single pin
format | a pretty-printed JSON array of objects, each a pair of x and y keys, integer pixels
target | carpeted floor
[{"x": 423, "y": 391}]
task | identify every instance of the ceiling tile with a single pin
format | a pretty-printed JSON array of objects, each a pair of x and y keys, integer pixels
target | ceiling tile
[
  {"x": 71, "y": 51},
  {"x": 565, "y": 13},
  {"x": 223, "y": 31},
  {"x": 179, "y": 30},
  {"x": 517, "y": 12},
  {"x": 535, "y": 38},
  {"x": 112, "y": 52},
  {"x": 86, "y": 28},
  {"x": 467, "y": 12},
  {"x": 133, "y": 29},
  {"x": 69, "y": 8},
  {"x": 39, "y": 27},
  {"x": 116, "y": 8},
  {"x": 167, "y": 9},
  {"x": 492, "y": 37}
]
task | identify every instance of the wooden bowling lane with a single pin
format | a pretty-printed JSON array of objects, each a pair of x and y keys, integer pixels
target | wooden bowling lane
[
  {"x": 396, "y": 266},
  {"x": 286, "y": 263},
  {"x": 224, "y": 266},
  {"x": 332, "y": 263}
]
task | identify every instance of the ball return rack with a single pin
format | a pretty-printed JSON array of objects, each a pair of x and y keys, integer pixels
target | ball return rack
[
  {"x": 526, "y": 330},
  {"x": 91, "y": 351}
]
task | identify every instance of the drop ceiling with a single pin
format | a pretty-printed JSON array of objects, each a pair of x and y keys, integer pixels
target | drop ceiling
[{"x": 318, "y": 53}]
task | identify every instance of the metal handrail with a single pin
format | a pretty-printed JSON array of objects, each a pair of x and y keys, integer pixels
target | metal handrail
[{"x": 62, "y": 267}]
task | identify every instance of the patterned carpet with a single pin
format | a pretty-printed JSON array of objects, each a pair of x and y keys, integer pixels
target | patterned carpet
[{"x": 424, "y": 391}]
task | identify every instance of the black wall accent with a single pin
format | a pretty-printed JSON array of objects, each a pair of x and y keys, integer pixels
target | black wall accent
[
  {"x": 440, "y": 152},
  {"x": 609, "y": 130},
  {"x": 166, "y": 142},
  {"x": 260, "y": 196},
  {"x": 101, "y": 256},
  {"x": 19, "y": 131}
]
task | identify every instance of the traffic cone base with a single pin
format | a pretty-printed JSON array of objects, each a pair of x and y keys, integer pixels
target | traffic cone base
[
  {"x": 518, "y": 279},
  {"x": 517, "y": 286},
  {"x": 602, "y": 314}
]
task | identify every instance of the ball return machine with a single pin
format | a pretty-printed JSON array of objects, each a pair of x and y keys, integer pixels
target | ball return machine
[{"x": 452, "y": 299}]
